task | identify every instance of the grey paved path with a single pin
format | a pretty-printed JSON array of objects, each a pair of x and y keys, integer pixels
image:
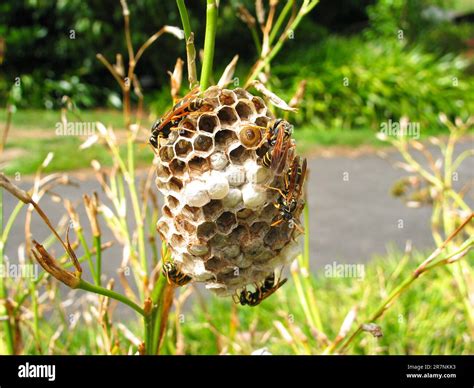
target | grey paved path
[{"x": 351, "y": 220}]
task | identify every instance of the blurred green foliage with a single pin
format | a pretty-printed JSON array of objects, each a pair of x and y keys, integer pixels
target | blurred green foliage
[
  {"x": 50, "y": 48},
  {"x": 352, "y": 83},
  {"x": 427, "y": 319}
]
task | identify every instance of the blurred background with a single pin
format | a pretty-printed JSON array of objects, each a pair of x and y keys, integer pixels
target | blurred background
[
  {"x": 364, "y": 64},
  {"x": 364, "y": 61}
]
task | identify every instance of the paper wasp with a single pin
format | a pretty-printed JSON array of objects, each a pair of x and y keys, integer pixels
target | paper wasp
[
  {"x": 288, "y": 201},
  {"x": 278, "y": 136},
  {"x": 174, "y": 275},
  {"x": 261, "y": 292},
  {"x": 275, "y": 158},
  {"x": 251, "y": 135},
  {"x": 170, "y": 269},
  {"x": 274, "y": 127},
  {"x": 163, "y": 126}
]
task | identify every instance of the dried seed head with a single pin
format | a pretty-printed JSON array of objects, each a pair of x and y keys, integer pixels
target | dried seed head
[
  {"x": 91, "y": 205},
  {"x": 50, "y": 265}
]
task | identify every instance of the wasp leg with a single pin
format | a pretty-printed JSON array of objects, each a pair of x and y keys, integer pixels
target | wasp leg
[
  {"x": 235, "y": 298},
  {"x": 277, "y": 222},
  {"x": 277, "y": 189},
  {"x": 300, "y": 229}
]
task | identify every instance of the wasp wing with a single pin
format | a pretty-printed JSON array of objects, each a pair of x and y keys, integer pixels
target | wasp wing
[{"x": 280, "y": 153}]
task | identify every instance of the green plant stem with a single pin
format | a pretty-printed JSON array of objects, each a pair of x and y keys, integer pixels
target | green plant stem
[
  {"x": 401, "y": 288},
  {"x": 98, "y": 258},
  {"x": 430, "y": 178},
  {"x": 307, "y": 6},
  {"x": 302, "y": 299},
  {"x": 86, "y": 286},
  {"x": 148, "y": 334},
  {"x": 305, "y": 270},
  {"x": 154, "y": 250},
  {"x": 157, "y": 297},
  {"x": 20, "y": 300},
  {"x": 306, "y": 236},
  {"x": 136, "y": 205},
  {"x": 256, "y": 41},
  {"x": 11, "y": 221},
  {"x": 8, "y": 330},
  {"x": 34, "y": 306},
  {"x": 183, "y": 13},
  {"x": 130, "y": 179},
  {"x": 209, "y": 43},
  {"x": 87, "y": 253},
  {"x": 190, "y": 49},
  {"x": 456, "y": 272},
  {"x": 280, "y": 20}
]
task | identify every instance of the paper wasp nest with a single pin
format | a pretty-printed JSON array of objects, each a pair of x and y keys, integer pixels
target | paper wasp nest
[{"x": 218, "y": 209}]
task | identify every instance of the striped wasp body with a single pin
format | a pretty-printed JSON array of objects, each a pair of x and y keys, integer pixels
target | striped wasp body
[
  {"x": 289, "y": 198},
  {"x": 162, "y": 128},
  {"x": 174, "y": 275},
  {"x": 262, "y": 292}
]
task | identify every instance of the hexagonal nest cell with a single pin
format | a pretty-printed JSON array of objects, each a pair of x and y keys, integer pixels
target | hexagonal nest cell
[
  {"x": 244, "y": 109},
  {"x": 166, "y": 154},
  {"x": 187, "y": 128},
  {"x": 225, "y": 137},
  {"x": 212, "y": 210},
  {"x": 198, "y": 165},
  {"x": 227, "y": 116},
  {"x": 203, "y": 144},
  {"x": 227, "y": 98},
  {"x": 206, "y": 230},
  {"x": 239, "y": 155},
  {"x": 259, "y": 105},
  {"x": 217, "y": 230},
  {"x": 183, "y": 148},
  {"x": 208, "y": 123},
  {"x": 226, "y": 222},
  {"x": 177, "y": 167}
]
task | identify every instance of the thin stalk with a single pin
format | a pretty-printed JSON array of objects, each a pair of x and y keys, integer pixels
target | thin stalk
[
  {"x": 307, "y": 286},
  {"x": 302, "y": 298},
  {"x": 190, "y": 49},
  {"x": 183, "y": 13},
  {"x": 461, "y": 158},
  {"x": 11, "y": 221},
  {"x": 87, "y": 253},
  {"x": 427, "y": 265},
  {"x": 263, "y": 62},
  {"x": 256, "y": 40},
  {"x": 157, "y": 298},
  {"x": 34, "y": 306},
  {"x": 122, "y": 200},
  {"x": 136, "y": 205},
  {"x": 98, "y": 258},
  {"x": 281, "y": 18},
  {"x": 86, "y": 286},
  {"x": 209, "y": 43},
  {"x": 165, "y": 307},
  {"x": 456, "y": 272},
  {"x": 7, "y": 127},
  {"x": 312, "y": 302},
  {"x": 20, "y": 300},
  {"x": 8, "y": 330},
  {"x": 154, "y": 250},
  {"x": 306, "y": 236},
  {"x": 148, "y": 334}
]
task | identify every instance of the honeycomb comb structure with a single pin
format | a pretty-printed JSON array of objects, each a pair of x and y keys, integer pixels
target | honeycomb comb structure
[{"x": 218, "y": 209}]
